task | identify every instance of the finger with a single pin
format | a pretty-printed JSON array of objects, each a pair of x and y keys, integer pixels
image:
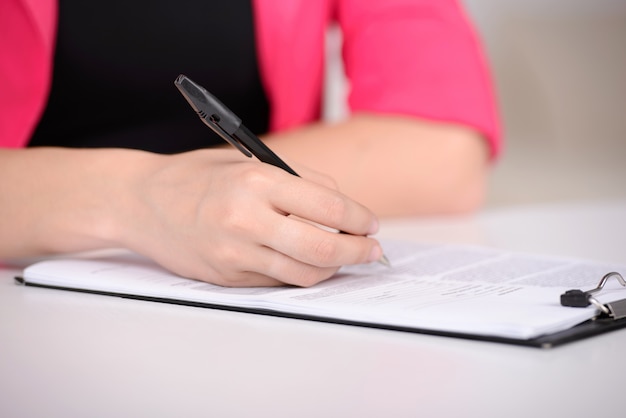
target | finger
[
  {"x": 316, "y": 177},
  {"x": 324, "y": 206},
  {"x": 288, "y": 270},
  {"x": 314, "y": 246},
  {"x": 263, "y": 266}
]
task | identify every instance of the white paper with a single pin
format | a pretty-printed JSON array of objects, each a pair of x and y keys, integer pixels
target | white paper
[{"x": 472, "y": 290}]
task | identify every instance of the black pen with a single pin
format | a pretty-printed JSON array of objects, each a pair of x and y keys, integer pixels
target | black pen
[{"x": 227, "y": 125}]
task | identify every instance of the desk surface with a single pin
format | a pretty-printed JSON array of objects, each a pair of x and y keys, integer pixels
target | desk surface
[{"x": 65, "y": 354}]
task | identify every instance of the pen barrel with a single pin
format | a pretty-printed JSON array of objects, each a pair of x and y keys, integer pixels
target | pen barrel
[{"x": 260, "y": 150}]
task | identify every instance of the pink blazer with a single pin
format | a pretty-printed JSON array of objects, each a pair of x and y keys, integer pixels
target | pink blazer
[{"x": 410, "y": 57}]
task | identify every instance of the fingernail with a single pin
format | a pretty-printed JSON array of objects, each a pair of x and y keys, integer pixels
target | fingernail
[{"x": 373, "y": 228}]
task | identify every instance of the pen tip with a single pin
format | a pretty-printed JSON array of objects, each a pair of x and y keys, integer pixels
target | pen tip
[{"x": 384, "y": 260}]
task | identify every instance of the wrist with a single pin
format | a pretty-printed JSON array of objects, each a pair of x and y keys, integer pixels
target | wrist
[{"x": 121, "y": 214}]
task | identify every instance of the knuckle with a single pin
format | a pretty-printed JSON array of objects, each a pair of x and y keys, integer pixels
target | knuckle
[
  {"x": 253, "y": 176},
  {"x": 325, "y": 252},
  {"x": 335, "y": 208},
  {"x": 226, "y": 256},
  {"x": 236, "y": 221},
  {"x": 232, "y": 220}
]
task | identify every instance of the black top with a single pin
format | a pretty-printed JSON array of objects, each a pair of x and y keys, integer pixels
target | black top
[{"x": 116, "y": 62}]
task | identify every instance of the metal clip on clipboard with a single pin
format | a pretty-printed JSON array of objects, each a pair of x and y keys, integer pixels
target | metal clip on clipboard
[{"x": 580, "y": 299}]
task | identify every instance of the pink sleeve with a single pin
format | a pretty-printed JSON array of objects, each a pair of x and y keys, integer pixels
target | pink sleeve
[
  {"x": 27, "y": 34},
  {"x": 290, "y": 44},
  {"x": 420, "y": 58}
]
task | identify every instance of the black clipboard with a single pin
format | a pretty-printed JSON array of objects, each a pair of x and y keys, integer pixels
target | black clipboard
[{"x": 610, "y": 317}]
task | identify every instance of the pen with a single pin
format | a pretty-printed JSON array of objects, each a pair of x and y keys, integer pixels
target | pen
[{"x": 227, "y": 125}]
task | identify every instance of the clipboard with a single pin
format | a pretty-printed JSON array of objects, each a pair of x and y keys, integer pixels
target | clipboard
[{"x": 610, "y": 316}]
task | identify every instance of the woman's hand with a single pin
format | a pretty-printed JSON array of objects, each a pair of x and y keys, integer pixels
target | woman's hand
[{"x": 214, "y": 216}]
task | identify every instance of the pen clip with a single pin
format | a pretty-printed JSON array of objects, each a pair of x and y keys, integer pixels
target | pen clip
[{"x": 212, "y": 112}]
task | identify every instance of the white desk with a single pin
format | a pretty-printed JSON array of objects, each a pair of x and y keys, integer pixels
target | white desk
[{"x": 65, "y": 354}]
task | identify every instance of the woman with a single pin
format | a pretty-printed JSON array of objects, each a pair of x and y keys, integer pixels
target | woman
[{"x": 99, "y": 150}]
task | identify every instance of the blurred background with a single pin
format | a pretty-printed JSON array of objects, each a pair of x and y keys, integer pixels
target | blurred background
[{"x": 559, "y": 68}]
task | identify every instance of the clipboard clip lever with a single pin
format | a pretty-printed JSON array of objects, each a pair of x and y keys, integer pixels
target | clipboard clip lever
[{"x": 580, "y": 299}]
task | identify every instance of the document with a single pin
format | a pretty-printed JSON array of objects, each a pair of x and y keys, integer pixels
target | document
[{"x": 451, "y": 289}]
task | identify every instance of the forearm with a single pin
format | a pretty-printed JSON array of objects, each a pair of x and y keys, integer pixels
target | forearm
[
  {"x": 212, "y": 215},
  {"x": 395, "y": 165},
  {"x": 58, "y": 200}
]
